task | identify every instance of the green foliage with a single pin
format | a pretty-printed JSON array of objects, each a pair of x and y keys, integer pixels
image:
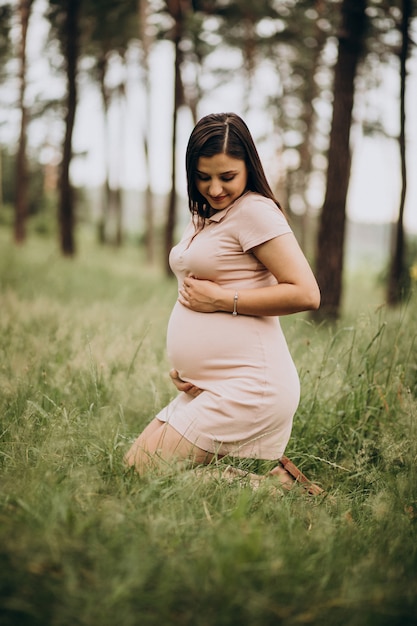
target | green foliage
[
  {"x": 84, "y": 541},
  {"x": 8, "y": 182},
  {"x": 6, "y": 11},
  {"x": 42, "y": 211}
]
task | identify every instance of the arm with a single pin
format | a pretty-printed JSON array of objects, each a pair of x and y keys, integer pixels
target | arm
[{"x": 297, "y": 289}]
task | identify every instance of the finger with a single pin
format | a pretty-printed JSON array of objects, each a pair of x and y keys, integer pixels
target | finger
[
  {"x": 189, "y": 280},
  {"x": 181, "y": 386},
  {"x": 195, "y": 389},
  {"x": 183, "y": 301},
  {"x": 173, "y": 373}
]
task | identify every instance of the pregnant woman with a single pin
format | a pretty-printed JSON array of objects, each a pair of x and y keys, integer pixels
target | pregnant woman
[{"x": 239, "y": 268}]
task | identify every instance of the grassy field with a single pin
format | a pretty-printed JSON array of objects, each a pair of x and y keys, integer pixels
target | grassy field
[{"x": 85, "y": 542}]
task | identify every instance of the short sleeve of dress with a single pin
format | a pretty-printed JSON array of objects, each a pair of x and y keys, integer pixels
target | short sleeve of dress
[{"x": 259, "y": 221}]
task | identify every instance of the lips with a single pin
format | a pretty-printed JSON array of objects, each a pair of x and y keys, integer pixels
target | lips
[{"x": 218, "y": 199}]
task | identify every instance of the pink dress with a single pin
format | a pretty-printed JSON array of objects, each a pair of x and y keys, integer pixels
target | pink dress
[{"x": 251, "y": 387}]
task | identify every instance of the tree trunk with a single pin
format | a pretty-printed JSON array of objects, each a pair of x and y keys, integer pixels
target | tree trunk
[
  {"x": 330, "y": 244},
  {"x": 1, "y": 178},
  {"x": 117, "y": 206},
  {"x": 177, "y": 12},
  {"x": 143, "y": 12},
  {"x": 249, "y": 58},
  {"x": 309, "y": 120},
  {"x": 397, "y": 280},
  {"x": 22, "y": 179},
  {"x": 106, "y": 192},
  {"x": 66, "y": 203},
  {"x": 172, "y": 201}
]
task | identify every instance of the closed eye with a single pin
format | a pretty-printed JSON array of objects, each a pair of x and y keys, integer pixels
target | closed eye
[{"x": 225, "y": 178}]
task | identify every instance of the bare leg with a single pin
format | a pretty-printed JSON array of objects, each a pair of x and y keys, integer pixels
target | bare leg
[
  {"x": 149, "y": 430},
  {"x": 159, "y": 444}
]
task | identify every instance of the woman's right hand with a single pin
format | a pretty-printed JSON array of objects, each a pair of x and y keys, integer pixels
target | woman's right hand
[{"x": 182, "y": 385}]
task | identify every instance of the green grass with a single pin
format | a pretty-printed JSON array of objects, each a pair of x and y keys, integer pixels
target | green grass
[{"x": 85, "y": 542}]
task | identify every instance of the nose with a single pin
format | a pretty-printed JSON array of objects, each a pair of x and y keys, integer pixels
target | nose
[{"x": 215, "y": 188}]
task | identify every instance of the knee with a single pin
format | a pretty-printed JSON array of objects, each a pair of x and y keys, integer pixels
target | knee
[
  {"x": 135, "y": 457},
  {"x": 129, "y": 459}
]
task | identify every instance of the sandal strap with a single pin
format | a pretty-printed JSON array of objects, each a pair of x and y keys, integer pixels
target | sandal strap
[{"x": 299, "y": 477}]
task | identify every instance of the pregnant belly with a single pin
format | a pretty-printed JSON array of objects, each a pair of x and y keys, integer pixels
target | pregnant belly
[{"x": 212, "y": 346}]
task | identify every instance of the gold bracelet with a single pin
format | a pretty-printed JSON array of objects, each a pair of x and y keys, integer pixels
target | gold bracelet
[{"x": 235, "y": 299}]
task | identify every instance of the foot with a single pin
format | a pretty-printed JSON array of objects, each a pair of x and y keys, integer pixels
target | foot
[
  {"x": 284, "y": 477},
  {"x": 289, "y": 475}
]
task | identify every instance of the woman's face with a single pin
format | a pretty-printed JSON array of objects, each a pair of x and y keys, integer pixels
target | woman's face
[{"x": 221, "y": 179}]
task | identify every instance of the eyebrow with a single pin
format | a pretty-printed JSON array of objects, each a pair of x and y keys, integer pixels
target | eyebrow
[{"x": 221, "y": 173}]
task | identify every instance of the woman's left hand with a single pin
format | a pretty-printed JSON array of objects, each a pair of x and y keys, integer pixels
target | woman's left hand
[
  {"x": 182, "y": 385},
  {"x": 199, "y": 295}
]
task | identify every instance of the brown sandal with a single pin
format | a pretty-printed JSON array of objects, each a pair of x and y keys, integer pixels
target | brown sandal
[{"x": 299, "y": 477}]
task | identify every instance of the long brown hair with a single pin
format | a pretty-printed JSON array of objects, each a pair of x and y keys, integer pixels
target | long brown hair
[{"x": 223, "y": 133}]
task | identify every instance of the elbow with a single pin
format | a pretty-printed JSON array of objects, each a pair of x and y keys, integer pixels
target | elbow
[
  {"x": 305, "y": 298},
  {"x": 316, "y": 300},
  {"x": 313, "y": 299},
  {"x": 315, "y": 305}
]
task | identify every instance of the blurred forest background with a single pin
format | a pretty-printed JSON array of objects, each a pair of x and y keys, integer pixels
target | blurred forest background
[
  {"x": 304, "y": 74},
  {"x": 97, "y": 100}
]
